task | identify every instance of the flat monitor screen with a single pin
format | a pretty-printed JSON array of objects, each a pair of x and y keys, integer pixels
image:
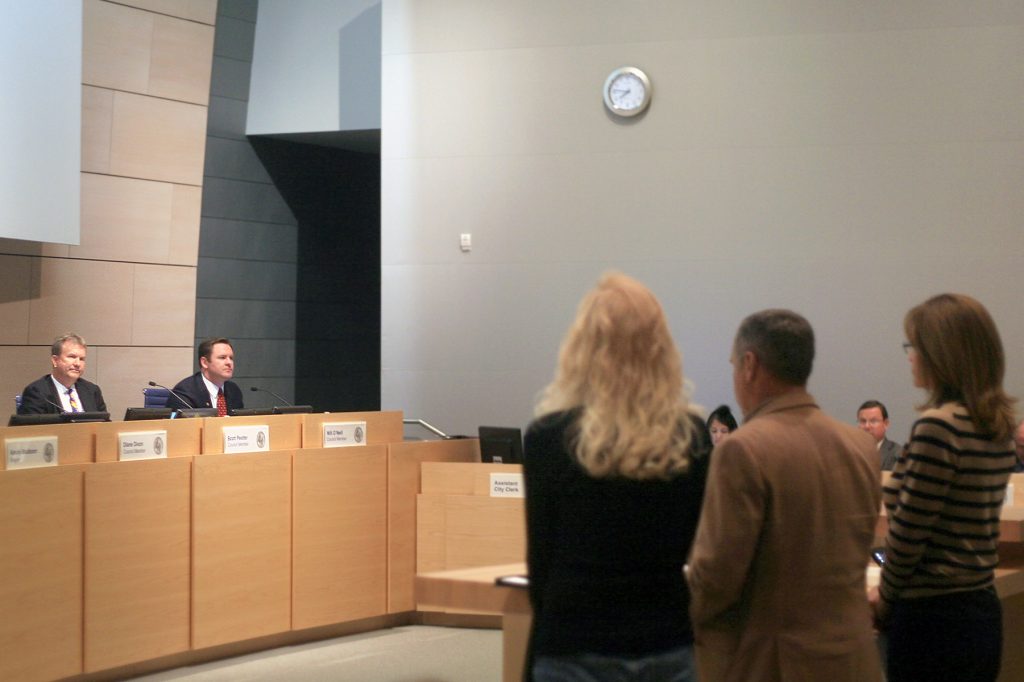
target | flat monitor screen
[
  {"x": 142, "y": 413},
  {"x": 196, "y": 412},
  {"x": 501, "y": 445},
  {"x": 293, "y": 409},
  {"x": 251, "y": 411}
]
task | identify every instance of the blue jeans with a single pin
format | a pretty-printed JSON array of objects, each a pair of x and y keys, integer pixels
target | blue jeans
[{"x": 674, "y": 665}]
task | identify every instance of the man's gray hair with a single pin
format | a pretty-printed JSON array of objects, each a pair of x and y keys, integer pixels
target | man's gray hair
[
  {"x": 58, "y": 343},
  {"x": 782, "y": 340}
]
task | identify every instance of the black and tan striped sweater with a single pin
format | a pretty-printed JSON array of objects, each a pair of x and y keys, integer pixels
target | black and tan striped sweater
[{"x": 944, "y": 501}]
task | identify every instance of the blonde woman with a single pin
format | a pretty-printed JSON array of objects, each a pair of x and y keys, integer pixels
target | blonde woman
[
  {"x": 937, "y": 599},
  {"x": 615, "y": 466}
]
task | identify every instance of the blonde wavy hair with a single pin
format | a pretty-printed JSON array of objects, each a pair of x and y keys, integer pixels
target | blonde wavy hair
[{"x": 619, "y": 366}]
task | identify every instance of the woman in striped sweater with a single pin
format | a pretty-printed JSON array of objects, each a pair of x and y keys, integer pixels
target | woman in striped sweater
[{"x": 936, "y": 598}]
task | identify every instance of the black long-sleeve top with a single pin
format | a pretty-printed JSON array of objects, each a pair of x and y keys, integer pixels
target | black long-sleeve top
[{"x": 606, "y": 555}]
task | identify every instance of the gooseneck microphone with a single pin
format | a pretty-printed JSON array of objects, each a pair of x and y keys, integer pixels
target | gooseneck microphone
[
  {"x": 171, "y": 391},
  {"x": 60, "y": 408},
  {"x": 267, "y": 390}
]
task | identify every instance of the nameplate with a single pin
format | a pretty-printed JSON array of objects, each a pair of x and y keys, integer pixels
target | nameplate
[
  {"x": 246, "y": 439},
  {"x": 29, "y": 453},
  {"x": 506, "y": 485},
  {"x": 132, "y": 445},
  {"x": 344, "y": 434}
]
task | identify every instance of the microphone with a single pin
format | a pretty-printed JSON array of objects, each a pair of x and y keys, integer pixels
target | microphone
[
  {"x": 267, "y": 390},
  {"x": 60, "y": 408},
  {"x": 171, "y": 391}
]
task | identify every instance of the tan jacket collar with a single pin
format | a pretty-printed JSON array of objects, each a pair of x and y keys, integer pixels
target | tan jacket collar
[{"x": 784, "y": 401}]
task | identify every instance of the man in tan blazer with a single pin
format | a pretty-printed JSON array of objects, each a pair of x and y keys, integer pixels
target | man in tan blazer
[{"x": 778, "y": 565}]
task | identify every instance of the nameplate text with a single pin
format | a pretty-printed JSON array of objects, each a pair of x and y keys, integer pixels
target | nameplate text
[
  {"x": 141, "y": 445},
  {"x": 29, "y": 453},
  {"x": 344, "y": 434},
  {"x": 246, "y": 439},
  {"x": 506, "y": 485}
]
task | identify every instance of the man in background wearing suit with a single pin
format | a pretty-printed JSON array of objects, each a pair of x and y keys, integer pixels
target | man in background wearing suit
[
  {"x": 874, "y": 418},
  {"x": 64, "y": 389},
  {"x": 211, "y": 385},
  {"x": 778, "y": 565}
]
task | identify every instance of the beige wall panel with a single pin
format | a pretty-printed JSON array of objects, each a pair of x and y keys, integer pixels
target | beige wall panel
[
  {"x": 381, "y": 427},
  {"x": 125, "y": 219},
  {"x": 184, "y": 436},
  {"x": 91, "y": 298},
  {"x": 116, "y": 45},
  {"x": 15, "y": 289},
  {"x": 137, "y": 534},
  {"x": 241, "y": 547},
  {"x": 97, "y": 124},
  {"x": 164, "y": 305},
  {"x": 157, "y": 139},
  {"x": 122, "y": 372},
  {"x": 186, "y": 203},
  {"x": 339, "y": 549},
  {"x": 181, "y": 61},
  {"x": 41, "y": 574},
  {"x": 204, "y": 11},
  {"x": 403, "y": 487},
  {"x": 23, "y": 365}
]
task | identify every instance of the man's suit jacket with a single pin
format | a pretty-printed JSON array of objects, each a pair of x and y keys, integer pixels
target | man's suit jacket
[
  {"x": 889, "y": 452},
  {"x": 194, "y": 391},
  {"x": 778, "y": 566},
  {"x": 40, "y": 397}
]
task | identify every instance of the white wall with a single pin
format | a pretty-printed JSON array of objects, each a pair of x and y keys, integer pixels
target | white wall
[
  {"x": 316, "y": 67},
  {"x": 844, "y": 160},
  {"x": 40, "y": 116}
]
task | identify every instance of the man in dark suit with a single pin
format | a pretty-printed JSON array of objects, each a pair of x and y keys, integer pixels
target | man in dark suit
[
  {"x": 211, "y": 385},
  {"x": 873, "y": 418},
  {"x": 64, "y": 389}
]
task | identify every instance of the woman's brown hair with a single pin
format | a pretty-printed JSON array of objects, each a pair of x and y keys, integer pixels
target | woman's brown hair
[{"x": 961, "y": 359}]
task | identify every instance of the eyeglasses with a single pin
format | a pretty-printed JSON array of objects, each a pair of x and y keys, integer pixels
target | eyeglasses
[{"x": 907, "y": 346}]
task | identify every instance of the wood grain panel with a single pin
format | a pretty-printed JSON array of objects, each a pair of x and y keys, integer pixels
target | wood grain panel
[
  {"x": 163, "y": 305},
  {"x": 15, "y": 283},
  {"x": 204, "y": 11},
  {"x": 186, "y": 203},
  {"x": 184, "y": 436},
  {"x": 483, "y": 531},
  {"x": 430, "y": 533},
  {"x": 137, "y": 534},
  {"x": 97, "y": 128},
  {"x": 403, "y": 486},
  {"x": 181, "y": 60},
  {"x": 157, "y": 139},
  {"x": 285, "y": 431},
  {"x": 41, "y": 573},
  {"x": 381, "y": 427},
  {"x": 339, "y": 549},
  {"x": 91, "y": 298},
  {"x": 241, "y": 547},
  {"x": 125, "y": 219},
  {"x": 116, "y": 46},
  {"x": 75, "y": 442},
  {"x": 122, "y": 372}
]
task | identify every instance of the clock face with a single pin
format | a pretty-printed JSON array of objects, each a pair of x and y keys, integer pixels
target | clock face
[{"x": 627, "y": 92}]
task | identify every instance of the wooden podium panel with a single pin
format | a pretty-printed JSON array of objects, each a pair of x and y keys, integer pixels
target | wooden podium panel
[
  {"x": 241, "y": 546},
  {"x": 481, "y": 531},
  {"x": 137, "y": 533},
  {"x": 339, "y": 546},
  {"x": 41, "y": 573},
  {"x": 75, "y": 444},
  {"x": 184, "y": 436},
  {"x": 404, "y": 461},
  {"x": 285, "y": 431},
  {"x": 381, "y": 427}
]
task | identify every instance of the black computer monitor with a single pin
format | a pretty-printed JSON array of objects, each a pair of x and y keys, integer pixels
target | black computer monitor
[
  {"x": 501, "y": 445},
  {"x": 78, "y": 417},
  {"x": 250, "y": 411},
  {"x": 293, "y": 409},
  {"x": 140, "y": 413},
  {"x": 32, "y": 419},
  {"x": 190, "y": 412}
]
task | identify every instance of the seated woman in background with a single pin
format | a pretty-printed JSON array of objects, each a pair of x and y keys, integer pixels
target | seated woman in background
[
  {"x": 936, "y": 597},
  {"x": 614, "y": 469},
  {"x": 721, "y": 423}
]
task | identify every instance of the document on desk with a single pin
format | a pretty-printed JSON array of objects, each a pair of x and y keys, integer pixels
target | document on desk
[{"x": 521, "y": 581}]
